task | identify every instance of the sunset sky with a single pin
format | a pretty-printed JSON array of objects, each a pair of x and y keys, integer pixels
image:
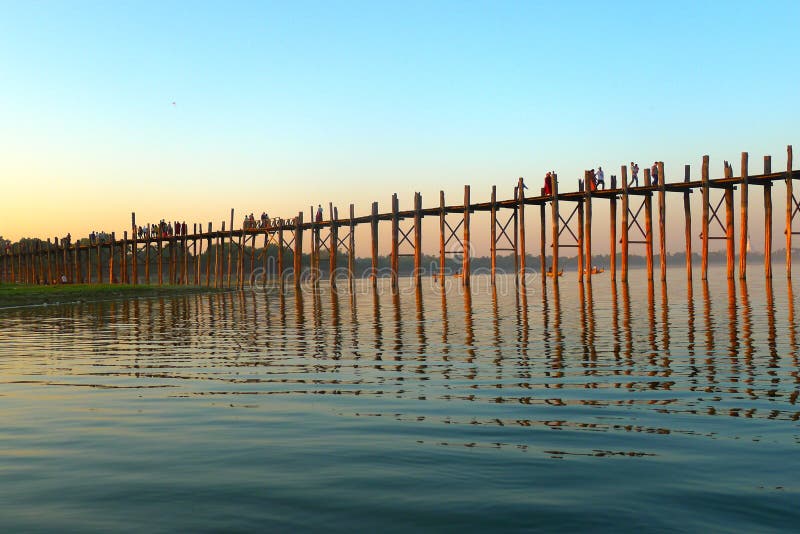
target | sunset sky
[{"x": 184, "y": 110}]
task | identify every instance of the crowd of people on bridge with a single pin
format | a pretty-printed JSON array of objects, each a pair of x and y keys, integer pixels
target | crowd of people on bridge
[{"x": 162, "y": 229}]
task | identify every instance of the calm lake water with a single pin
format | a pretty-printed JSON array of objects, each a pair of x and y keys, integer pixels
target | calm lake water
[{"x": 591, "y": 408}]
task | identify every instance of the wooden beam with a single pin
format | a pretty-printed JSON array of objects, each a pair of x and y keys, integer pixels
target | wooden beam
[
  {"x": 587, "y": 237},
  {"x": 351, "y": 249},
  {"x": 612, "y": 215},
  {"x": 465, "y": 270},
  {"x": 442, "y": 223},
  {"x": 687, "y": 220},
  {"x": 374, "y": 229},
  {"x": 395, "y": 260},
  {"x": 493, "y": 233},
  {"x": 417, "y": 239},
  {"x": 333, "y": 243},
  {"x": 542, "y": 244},
  {"x": 522, "y": 240},
  {"x": 768, "y": 219},
  {"x": 789, "y": 211},
  {"x": 662, "y": 222},
  {"x": 554, "y": 222},
  {"x": 648, "y": 226},
  {"x": 298, "y": 249},
  {"x": 730, "y": 246}
]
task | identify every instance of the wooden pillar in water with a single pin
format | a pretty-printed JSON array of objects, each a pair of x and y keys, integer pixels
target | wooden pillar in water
[
  {"x": 581, "y": 265},
  {"x": 219, "y": 255},
  {"x": 521, "y": 214},
  {"x": 185, "y": 252},
  {"x": 587, "y": 237},
  {"x": 280, "y": 253},
  {"x": 49, "y": 267},
  {"x": 124, "y": 275},
  {"x": 135, "y": 250},
  {"x": 648, "y": 226},
  {"x": 768, "y": 219},
  {"x": 197, "y": 229},
  {"x": 687, "y": 219},
  {"x": 99, "y": 262},
  {"x": 465, "y": 270},
  {"x": 743, "y": 231},
  {"x": 542, "y": 244},
  {"x": 230, "y": 250},
  {"x": 240, "y": 246},
  {"x": 789, "y": 210},
  {"x": 704, "y": 249},
  {"x": 298, "y": 249},
  {"x": 208, "y": 257},
  {"x": 351, "y": 249},
  {"x": 662, "y": 226},
  {"x": 159, "y": 246},
  {"x": 395, "y": 261},
  {"x": 146, "y": 261},
  {"x": 111, "y": 247},
  {"x": 625, "y": 226},
  {"x": 730, "y": 251},
  {"x": 493, "y": 235},
  {"x": 612, "y": 215},
  {"x": 554, "y": 224},
  {"x": 333, "y": 243},
  {"x": 417, "y": 240},
  {"x": 374, "y": 234},
  {"x": 442, "y": 223}
]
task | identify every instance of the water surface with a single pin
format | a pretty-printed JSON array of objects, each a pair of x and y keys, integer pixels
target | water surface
[{"x": 601, "y": 407}]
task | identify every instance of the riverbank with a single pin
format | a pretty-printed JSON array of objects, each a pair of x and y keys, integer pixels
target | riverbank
[{"x": 16, "y": 295}]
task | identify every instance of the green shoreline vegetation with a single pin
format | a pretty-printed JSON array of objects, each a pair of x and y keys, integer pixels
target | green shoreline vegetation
[{"x": 18, "y": 295}]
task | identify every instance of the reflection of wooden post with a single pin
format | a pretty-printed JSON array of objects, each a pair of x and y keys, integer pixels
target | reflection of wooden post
[
  {"x": 417, "y": 239},
  {"x": 374, "y": 228},
  {"x": 612, "y": 215},
  {"x": 662, "y": 232},
  {"x": 351, "y": 249},
  {"x": 648, "y": 227},
  {"x": 493, "y": 232},
  {"x": 789, "y": 211},
  {"x": 743, "y": 231},
  {"x": 768, "y": 219},
  {"x": 704, "y": 250},
  {"x": 442, "y": 251},
  {"x": 554, "y": 222},
  {"x": 521, "y": 211},
  {"x": 297, "y": 264},
  {"x": 687, "y": 217},
  {"x": 465, "y": 270},
  {"x": 624, "y": 226},
  {"x": 395, "y": 260},
  {"x": 333, "y": 242},
  {"x": 587, "y": 237}
]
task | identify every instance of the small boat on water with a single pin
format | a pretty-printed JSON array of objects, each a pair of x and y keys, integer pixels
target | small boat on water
[
  {"x": 550, "y": 273},
  {"x": 595, "y": 270}
]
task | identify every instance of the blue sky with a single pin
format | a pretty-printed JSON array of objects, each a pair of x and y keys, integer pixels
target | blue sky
[{"x": 282, "y": 104}]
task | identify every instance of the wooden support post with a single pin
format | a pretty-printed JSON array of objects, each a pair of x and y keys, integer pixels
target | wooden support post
[
  {"x": 587, "y": 236},
  {"x": 442, "y": 251},
  {"x": 35, "y": 270},
  {"x": 624, "y": 226},
  {"x": 111, "y": 247},
  {"x": 219, "y": 255},
  {"x": 768, "y": 219},
  {"x": 789, "y": 211},
  {"x": 493, "y": 232},
  {"x": 395, "y": 230},
  {"x": 522, "y": 240},
  {"x": 612, "y": 215},
  {"x": 281, "y": 241},
  {"x": 208, "y": 257},
  {"x": 172, "y": 259},
  {"x": 373, "y": 223},
  {"x": 99, "y": 262},
  {"x": 554, "y": 224},
  {"x": 185, "y": 252},
  {"x": 124, "y": 275},
  {"x": 351, "y": 249},
  {"x": 316, "y": 228},
  {"x": 730, "y": 247},
  {"x": 333, "y": 243},
  {"x": 417, "y": 240},
  {"x": 581, "y": 242},
  {"x": 662, "y": 222},
  {"x": 159, "y": 253},
  {"x": 196, "y": 229},
  {"x": 648, "y": 227},
  {"x": 704, "y": 249},
  {"x": 240, "y": 246},
  {"x": 49, "y": 267},
  {"x": 542, "y": 243},
  {"x": 687, "y": 220},
  {"x": 744, "y": 230},
  {"x": 465, "y": 270},
  {"x": 298, "y": 249},
  {"x": 230, "y": 250},
  {"x": 135, "y": 250}
]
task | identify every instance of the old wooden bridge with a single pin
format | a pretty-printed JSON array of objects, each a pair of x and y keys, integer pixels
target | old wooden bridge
[{"x": 119, "y": 260}]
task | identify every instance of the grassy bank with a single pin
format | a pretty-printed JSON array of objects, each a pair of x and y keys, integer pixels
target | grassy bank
[{"x": 13, "y": 295}]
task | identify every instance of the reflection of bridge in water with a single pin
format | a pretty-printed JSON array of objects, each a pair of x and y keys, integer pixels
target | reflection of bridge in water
[{"x": 228, "y": 252}]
